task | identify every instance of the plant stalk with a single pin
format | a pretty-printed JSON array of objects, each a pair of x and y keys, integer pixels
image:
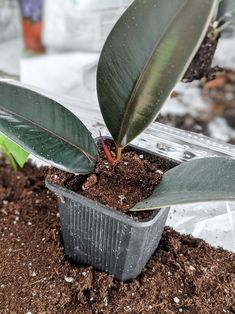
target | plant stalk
[{"x": 118, "y": 153}]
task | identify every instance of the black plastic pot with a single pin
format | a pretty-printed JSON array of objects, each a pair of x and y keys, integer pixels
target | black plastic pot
[{"x": 105, "y": 238}]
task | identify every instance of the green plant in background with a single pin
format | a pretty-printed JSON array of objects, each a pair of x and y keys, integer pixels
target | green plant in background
[
  {"x": 145, "y": 55},
  {"x": 230, "y": 12},
  {"x": 227, "y": 7},
  {"x": 225, "y": 16},
  {"x": 15, "y": 154}
]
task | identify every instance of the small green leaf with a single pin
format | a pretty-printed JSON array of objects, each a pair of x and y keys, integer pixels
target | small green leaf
[
  {"x": 45, "y": 128},
  {"x": 145, "y": 55},
  {"x": 9, "y": 156},
  {"x": 14, "y": 152},
  {"x": 201, "y": 180}
]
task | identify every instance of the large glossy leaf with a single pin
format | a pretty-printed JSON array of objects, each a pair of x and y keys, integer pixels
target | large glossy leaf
[
  {"x": 45, "y": 128},
  {"x": 145, "y": 55},
  {"x": 201, "y": 180},
  {"x": 14, "y": 152}
]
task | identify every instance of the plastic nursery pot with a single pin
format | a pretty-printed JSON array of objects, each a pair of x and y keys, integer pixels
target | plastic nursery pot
[{"x": 105, "y": 238}]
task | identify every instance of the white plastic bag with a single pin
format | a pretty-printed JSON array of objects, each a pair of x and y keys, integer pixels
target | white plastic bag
[
  {"x": 79, "y": 24},
  {"x": 9, "y": 20}
]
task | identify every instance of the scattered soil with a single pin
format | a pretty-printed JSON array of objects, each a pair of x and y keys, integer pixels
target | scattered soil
[
  {"x": 186, "y": 122},
  {"x": 120, "y": 186},
  {"x": 218, "y": 88},
  {"x": 185, "y": 275}
]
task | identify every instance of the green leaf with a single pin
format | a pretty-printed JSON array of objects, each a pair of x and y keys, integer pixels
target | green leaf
[
  {"x": 14, "y": 152},
  {"x": 45, "y": 128},
  {"x": 9, "y": 156},
  {"x": 201, "y": 180},
  {"x": 145, "y": 55}
]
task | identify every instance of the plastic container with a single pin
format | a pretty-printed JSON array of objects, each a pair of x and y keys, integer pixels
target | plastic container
[{"x": 105, "y": 238}]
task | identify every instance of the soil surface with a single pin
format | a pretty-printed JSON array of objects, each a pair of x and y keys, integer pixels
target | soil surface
[
  {"x": 121, "y": 186},
  {"x": 218, "y": 89},
  {"x": 185, "y": 275}
]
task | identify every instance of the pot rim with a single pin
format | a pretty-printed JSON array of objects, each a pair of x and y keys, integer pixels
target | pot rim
[
  {"x": 59, "y": 190},
  {"x": 122, "y": 217}
]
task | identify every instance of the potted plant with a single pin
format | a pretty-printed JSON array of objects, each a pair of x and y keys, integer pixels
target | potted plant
[{"x": 142, "y": 59}]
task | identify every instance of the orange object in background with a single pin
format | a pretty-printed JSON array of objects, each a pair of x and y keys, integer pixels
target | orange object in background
[
  {"x": 32, "y": 35},
  {"x": 31, "y": 11}
]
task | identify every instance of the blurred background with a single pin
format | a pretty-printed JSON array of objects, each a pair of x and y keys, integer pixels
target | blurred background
[{"x": 55, "y": 45}]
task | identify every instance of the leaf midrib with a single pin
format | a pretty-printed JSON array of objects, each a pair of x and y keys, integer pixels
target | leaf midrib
[
  {"x": 145, "y": 68},
  {"x": 88, "y": 155}
]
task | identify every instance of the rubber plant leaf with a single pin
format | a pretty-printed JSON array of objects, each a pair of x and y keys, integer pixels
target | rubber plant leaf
[
  {"x": 201, "y": 180},
  {"x": 146, "y": 53},
  {"x": 14, "y": 152},
  {"x": 45, "y": 128}
]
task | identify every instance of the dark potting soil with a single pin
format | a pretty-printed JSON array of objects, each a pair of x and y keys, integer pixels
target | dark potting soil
[
  {"x": 201, "y": 63},
  {"x": 185, "y": 275},
  {"x": 120, "y": 186}
]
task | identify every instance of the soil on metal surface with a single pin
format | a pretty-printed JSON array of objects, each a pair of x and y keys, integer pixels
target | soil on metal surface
[
  {"x": 185, "y": 275},
  {"x": 186, "y": 122},
  {"x": 121, "y": 186}
]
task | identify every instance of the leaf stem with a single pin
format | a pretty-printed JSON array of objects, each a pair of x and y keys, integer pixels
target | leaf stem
[
  {"x": 118, "y": 153},
  {"x": 107, "y": 152}
]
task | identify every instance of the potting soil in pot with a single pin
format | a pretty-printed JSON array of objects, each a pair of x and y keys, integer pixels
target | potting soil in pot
[
  {"x": 185, "y": 275},
  {"x": 131, "y": 180}
]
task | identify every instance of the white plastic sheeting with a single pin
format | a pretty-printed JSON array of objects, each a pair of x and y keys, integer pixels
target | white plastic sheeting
[
  {"x": 10, "y": 53},
  {"x": 81, "y": 24},
  {"x": 9, "y": 20},
  {"x": 213, "y": 222}
]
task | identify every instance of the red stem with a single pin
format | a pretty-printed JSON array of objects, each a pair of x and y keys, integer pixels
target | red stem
[{"x": 107, "y": 152}]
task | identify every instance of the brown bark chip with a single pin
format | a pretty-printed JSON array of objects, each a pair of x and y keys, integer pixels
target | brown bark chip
[{"x": 185, "y": 275}]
